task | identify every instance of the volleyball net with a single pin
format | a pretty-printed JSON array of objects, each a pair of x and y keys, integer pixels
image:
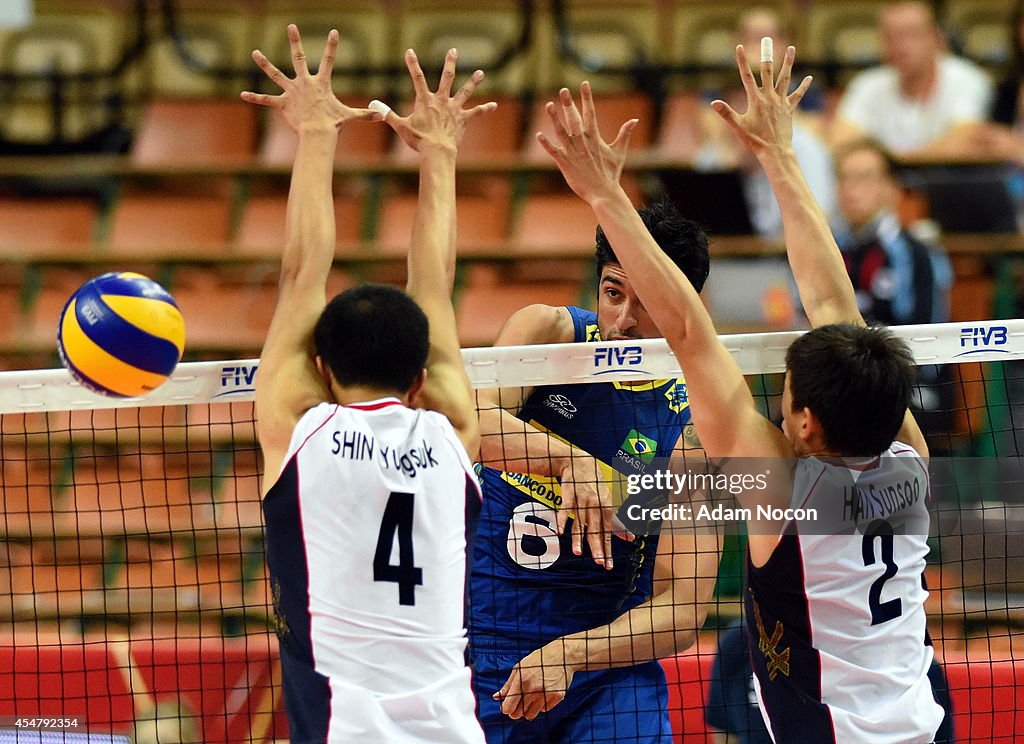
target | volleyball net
[{"x": 134, "y": 599}]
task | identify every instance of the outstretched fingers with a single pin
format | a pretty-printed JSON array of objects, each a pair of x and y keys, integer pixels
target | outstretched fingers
[
  {"x": 262, "y": 99},
  {"x": 767, "y": 63},
  {"x": 746, "y": 75},
  {"x": 589, "y": 113},
  {"x": 419, "y": 80},
  {"x": 469, "y": 88},
  {"x": 621, "y": 142},
  {"x": 298, "y": 54},
  {"x": 330, "y": 50},
  {"x": 729, "y": 114},
  {"x": 797, "y": 95},
  {"x": 573, "y": 120},
  {"x": 444, "y": 88},
  {"x": 786, "y": 73},
  {"x": 557, "y": 118},
  {"x": 275, "y": 75},
  {"x": 483, "y": 108}
]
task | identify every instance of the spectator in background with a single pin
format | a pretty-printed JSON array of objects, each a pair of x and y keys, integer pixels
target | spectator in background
[
  {"x": 898, "y": 279},
  {"x": 923, "y": 102},
  {"x": 720, "y": 149}
]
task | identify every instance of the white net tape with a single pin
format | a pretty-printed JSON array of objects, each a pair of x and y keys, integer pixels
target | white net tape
[{"x": 521, "y": 366}]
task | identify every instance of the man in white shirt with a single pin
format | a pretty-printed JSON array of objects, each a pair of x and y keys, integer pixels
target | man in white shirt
[{"x": 923, "y": 103}]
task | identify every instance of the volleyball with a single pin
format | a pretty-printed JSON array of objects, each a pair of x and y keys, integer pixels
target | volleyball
[{"x": 121, "y": 334}]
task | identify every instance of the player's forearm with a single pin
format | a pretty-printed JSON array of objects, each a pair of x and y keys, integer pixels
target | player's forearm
[
  {"x": 432, "y": 254},
  {"x": 814, "y": 257},
  {"x": 656, "y": 629},
  {"x": 310, "y": 229},
  {"x": 510, "y": 444}
]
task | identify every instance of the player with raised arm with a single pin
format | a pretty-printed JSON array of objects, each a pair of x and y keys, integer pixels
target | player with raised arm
[
  {"x": 365, "y": 495},
  {"x": 567, "y": 620},
  {"x": 836, "y": 622}
]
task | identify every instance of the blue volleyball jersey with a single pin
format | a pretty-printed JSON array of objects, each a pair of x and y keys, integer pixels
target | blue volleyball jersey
[{"x": 526, "y": 585}]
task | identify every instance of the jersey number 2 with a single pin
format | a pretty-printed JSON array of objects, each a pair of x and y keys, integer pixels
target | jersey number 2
[
  {"x": 881, "y": 612},
  {"x": 397, "y": 520}
]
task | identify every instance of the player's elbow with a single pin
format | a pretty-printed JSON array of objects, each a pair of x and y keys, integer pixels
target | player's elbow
[{"x": 683, "y": 639}]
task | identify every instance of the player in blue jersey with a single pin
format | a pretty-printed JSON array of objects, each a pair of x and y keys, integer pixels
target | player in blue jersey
[{"x": 567, "y": 621}]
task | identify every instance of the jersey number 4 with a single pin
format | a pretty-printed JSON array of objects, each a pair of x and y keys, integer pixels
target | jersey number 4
[
  {"x": 397, "y": 521},
  {"x": 881, "y": 612}
]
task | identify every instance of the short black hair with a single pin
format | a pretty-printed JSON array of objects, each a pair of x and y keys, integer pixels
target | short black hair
[
  {"x": 857, "y": 381},
  {"x": 373, "y": 335},
  {"x": 682, "y": 240}
]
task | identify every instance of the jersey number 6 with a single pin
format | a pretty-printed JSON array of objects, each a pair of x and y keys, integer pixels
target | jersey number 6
[
  {"x": 532, "y": 538},
  {"x": 397, "y": 520}
]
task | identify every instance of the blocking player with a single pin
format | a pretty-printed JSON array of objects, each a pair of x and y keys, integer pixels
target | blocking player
[
  {"x": 366, "y": 496},
  {"x": 836, "y": 622},
  {"x": 567, "y": 621}
]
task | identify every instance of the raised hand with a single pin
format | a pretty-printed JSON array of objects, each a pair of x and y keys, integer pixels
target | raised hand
[
  {"x": 768, "y": 121},
  {"x": 307, "y": 100},
  {"x": 590, "y": 165},
  {"x": 437, "y": 119}
]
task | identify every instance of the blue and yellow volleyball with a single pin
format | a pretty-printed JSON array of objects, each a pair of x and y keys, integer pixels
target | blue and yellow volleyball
[{"x": 121, "y": 334}]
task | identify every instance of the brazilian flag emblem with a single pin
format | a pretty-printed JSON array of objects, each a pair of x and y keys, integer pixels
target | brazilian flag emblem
[{"x": 638, "y": 445}]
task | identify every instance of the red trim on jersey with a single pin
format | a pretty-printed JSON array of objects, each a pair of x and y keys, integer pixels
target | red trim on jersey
[
  {"x": 813, "y": 486},
  {"x": 375, "y": 406},
  {"x": 326, "y": 420}
]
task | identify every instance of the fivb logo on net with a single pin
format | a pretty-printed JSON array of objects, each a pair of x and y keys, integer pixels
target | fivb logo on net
[
  {"x": 610, "y": 359},
  {"x": 236, "y": 379},
  {"x": 983, "y": 339}
]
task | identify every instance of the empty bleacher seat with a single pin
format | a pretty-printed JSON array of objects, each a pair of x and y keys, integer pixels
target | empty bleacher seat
[
  {"x": 481, "y": 223},
  {"x": 70, "y": 36},
  {"x": 605, "y": 34},
  {"x": 212, "y": 35},
  {"x": 195, "y": 132},
  {"x": 158, "y": 224},
  {"x": 481, "y": 33},
  {"x": 33, "y": 227},
  {"x": 490, "y": 295},
  {"x": 261, "y": 231},
  {"x": 555, "y": 222}
]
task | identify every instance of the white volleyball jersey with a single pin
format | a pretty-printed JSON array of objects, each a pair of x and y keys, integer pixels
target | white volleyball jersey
[
  {"x": 835, "y": 617},
  {"x": 366, "y": 545}
]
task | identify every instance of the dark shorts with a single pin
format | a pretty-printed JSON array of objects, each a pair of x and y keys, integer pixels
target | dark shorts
[{"x": 627, "y": 705}]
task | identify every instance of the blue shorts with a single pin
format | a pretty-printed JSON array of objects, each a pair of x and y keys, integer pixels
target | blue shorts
[{"x": 626, "y": 704}]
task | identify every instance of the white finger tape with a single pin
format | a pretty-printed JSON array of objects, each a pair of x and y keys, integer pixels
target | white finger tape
[
  {"x": 766, "y": 49},
  {"x": 380, "y": 107}
]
